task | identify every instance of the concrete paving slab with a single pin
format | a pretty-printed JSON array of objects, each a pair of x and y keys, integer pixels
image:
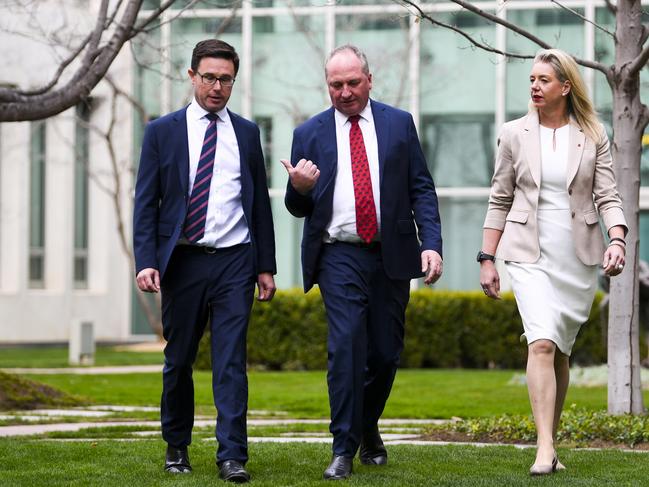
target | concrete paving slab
[
  {"x": 128, "y": 369},
  {"x": 35, "y": 429}
]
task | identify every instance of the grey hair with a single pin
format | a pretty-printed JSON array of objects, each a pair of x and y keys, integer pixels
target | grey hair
[{"x": 350, "y": 47}]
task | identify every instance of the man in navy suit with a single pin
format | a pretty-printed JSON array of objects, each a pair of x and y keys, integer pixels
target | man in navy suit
[
  {"x": 359, "y": 178},
  {"x": 203, "y": 235}
]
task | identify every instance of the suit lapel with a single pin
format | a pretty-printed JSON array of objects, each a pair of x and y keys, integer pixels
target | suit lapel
[
  {"x": 576, "y": 143},
  {"x": 244, "y": 160},
  {"x": 382, "y": 128},
  {"x": 533, "y": 146},
  {"x": 328, "y": 147},
  {"x": 182, "y": 149}
]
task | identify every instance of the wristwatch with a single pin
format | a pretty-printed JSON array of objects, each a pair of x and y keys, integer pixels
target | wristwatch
[{"x": 482, "y": 256}]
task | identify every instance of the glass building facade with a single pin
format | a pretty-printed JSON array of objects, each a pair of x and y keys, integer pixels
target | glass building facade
[{"x": 459, "y": 95}]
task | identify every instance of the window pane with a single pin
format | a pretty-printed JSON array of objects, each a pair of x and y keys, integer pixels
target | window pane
[
  {"x": 461, "y": 241},
  {"x": 454, "y": 77},
  {"x": 387, "y": 52},
  {"x": 560, "y": 26},
  {"x": 266, "y": 133},
  {"x": 459, "y": 149},
  {"x": 81, "y": 200},
  {"x": 37, "y": 204}
]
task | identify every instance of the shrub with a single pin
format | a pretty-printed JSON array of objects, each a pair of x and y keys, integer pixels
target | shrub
[
  {"x": 578, "y": 426},
  {"x": 443, "y": 329}
]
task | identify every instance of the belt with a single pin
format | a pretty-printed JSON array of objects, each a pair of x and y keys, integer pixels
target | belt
[
  {"x": 197, "y": 248},
  {"x": 208, "y": 250},
  {"x": 372, "y": 246}
]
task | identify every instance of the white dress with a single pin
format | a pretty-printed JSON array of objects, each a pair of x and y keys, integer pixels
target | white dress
[{"x": 554, "y": 294}]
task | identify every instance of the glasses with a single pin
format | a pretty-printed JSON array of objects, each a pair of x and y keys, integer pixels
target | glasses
[{"x": 210, "y": 79}]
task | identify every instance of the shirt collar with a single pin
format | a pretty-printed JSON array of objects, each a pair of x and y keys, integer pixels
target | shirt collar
[
  {"x": 365, "y": 114},
  {"x": 197, "y": 112}
]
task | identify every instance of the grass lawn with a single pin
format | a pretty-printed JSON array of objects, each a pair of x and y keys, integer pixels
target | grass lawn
[
  {"x": 57, "y": 356},
  {"x": 431, "y": 393},
  {"x": 139, "y": 463}
]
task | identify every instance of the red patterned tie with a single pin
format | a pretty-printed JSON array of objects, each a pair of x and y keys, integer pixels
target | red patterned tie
[{"x": 366, "y": 225}]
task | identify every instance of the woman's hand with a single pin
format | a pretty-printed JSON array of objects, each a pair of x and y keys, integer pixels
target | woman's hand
[
  {"x": 614, "y": 259},
  {"x": 489, "y": 279}
]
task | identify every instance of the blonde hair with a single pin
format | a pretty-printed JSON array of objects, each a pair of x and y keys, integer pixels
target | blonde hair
[{"x": 579, "y": 104}]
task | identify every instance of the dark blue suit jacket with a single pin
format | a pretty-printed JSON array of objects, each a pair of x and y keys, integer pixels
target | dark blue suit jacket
[
  {"x": 407, "y": 192},
  {"x": 161, "y": 192}
]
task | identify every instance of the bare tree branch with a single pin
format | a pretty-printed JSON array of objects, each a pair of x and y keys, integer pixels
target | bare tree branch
[
  {"x": 142, "y": 26},
  {"x": 116, "y": 190},
  {"x": 481, "y": 45},
  {"x": 306, "y": 32},
  {"x": 497, "y": 20},
  {"x": 639, "y": 62},
  {"x": 20, "y": 106},
  {"x": 574, "y": 12},
  {"x": 65, "y": 62},
  {"x": 611, "y": 8}
]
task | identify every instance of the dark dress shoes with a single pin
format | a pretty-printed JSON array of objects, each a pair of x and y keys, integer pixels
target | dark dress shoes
[
  {"x": 177, "y": 460},
  {"x": 372, "y": 451},
  {"x": 340, "y": 468},
  {"x": 233, "y": 471}
]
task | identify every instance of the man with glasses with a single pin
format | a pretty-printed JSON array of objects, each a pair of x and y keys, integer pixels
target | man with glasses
[
  {"x": 359, "y": 178},
  {"x": 203, "y": 236}
]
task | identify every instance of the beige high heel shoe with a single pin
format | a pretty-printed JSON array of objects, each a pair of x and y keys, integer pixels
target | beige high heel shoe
[{"x": 545, "y": 469}]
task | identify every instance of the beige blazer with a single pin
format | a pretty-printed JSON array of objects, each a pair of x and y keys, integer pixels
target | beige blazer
[{"x": 514, "y": 197}]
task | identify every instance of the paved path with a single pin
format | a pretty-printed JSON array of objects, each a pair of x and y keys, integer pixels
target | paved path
[
  {"x": 121, "y": 369},
  {"x": 37, "y": 429}
]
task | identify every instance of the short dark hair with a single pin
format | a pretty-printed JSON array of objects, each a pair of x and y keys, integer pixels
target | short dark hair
[{"x": 214, "y": 48}]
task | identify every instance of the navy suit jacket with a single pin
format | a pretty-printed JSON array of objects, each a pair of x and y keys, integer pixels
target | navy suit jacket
[
  {"x": 407, "y": 192},
  {"x": 161, "y": 192}
]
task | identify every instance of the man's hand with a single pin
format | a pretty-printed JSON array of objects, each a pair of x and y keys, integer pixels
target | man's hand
[
  {"x": 303, "y": 176},
  {"x": 432, "y": 265},
  {"x": 266, "y": 286},
  {"x": 148, "y": 280}
]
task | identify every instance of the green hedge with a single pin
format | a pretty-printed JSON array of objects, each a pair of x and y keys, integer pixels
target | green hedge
[{"x": 443, "y": 329}]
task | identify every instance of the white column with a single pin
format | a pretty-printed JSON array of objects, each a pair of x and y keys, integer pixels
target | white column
[
  {"x": 414, "y": 65},
  {"x": 330, "y": 26},
  {"x": 500, "y": 114},
  {"x": 245, "y": 73},
  {"x": 165, "y": 54},
  {"x": 589, "y": 45},
  {"x": 500, "y": 109}
]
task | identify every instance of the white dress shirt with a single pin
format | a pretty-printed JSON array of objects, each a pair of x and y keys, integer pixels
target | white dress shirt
[
  {"x": 225, "y": 225},
  {"x": 342, "y": 226}
]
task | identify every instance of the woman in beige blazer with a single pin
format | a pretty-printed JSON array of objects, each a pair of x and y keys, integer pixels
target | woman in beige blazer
[{"x": 552, "y": 181}]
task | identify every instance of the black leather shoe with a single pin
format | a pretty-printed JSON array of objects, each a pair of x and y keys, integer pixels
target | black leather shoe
[
  {"x": 177, "y": 460},
  {"x": 340, "y": 468},
  {"x": 233, "y": 471},
  {"x": 372, "y": 451}
]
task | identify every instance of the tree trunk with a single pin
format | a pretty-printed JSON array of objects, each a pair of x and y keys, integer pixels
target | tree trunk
[{"x": 624, "y": 389}]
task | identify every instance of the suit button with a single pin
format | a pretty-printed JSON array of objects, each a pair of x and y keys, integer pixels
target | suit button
[
  {"x": 570, "y": 191},
  {"x": 573, "y": 214}
]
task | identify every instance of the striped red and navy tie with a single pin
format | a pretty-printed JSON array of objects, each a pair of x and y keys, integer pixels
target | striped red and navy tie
[{"x": 194, "y": 228}]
